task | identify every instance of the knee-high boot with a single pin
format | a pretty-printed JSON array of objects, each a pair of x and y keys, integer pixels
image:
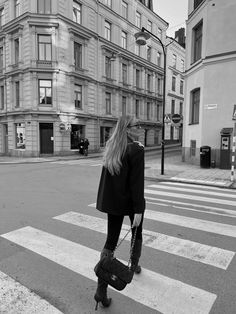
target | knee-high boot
[
  {"x": 135, "y": 256},
  {"x": 101, "y": 292}
]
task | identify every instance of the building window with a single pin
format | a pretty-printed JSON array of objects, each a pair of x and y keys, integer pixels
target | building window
[
  {"x": 124, "y": 40},
  {"x": 197, "y": 42},
  {"x": 148, "y": 111},
  {"x": 107, "y": 3},
  {"x": 138, "y": 78},
  {"x": 16, "y": 46},
  {"x": 44, "y": 47},
  {"x": 138, "y": 20},
  {"x": 159, "y": 33},
  {"x": 149, "y": 53},
  {"x": 44, "y": 6},
  {"x": 173, "y": 83},
  {"x": 17, "y": 8},
  {"x": 17, "y": 94},
  {"x": 1, "y": 97},
  {"x": 108, "y": 103},
  {"x": 149, "y": 77},
  {"x": 78, "y": 96},
  {"x": 1, "y": 58},
  {"x": 20, "y": 135},
  {"x": 158, "y": 112},
  {"x": 124, "y": 73},
  {"x": 182, "y": 65},
  {"x": 137, "y": 49},
  {"x": 108, "y": 67},
  {"x": 159, "y": 86},
  {"x": 172, "y": 106},
  {"x": 181, "y": 108},
  {"x": 194, "y": 106},
  {"x": 77, "y": 132},
  {"x": 77, "y": 55},
  {"x": 1, "y": 17},
  {"x": 104, "y": 135},
  {"x": 137, "y": 108},
  {"x": 124, "y": 9},
  {"x": 158, "y": 58},
  {"x": 107, "y": 30},
  {"x": 174, "y": 61},
  {"x": 149, "y": 26},
  {"x": 181, "y": 89},
  {"x": 76, "y": 12},
  {"x": 197, "y": 3},
  {"x": 45, "y": 92},
  {"x": 124, "y": 99},
  {"x": 193, "y": 148}
]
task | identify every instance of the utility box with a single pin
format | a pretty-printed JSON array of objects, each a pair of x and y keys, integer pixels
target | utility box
[
  {"x": 205, "y": 156},
  {"x": 225, "y": 149}
]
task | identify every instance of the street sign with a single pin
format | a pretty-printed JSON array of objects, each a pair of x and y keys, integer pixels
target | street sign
[
  {"x": 176, "y": 118},
  {"x": 167, "y": 118},
  {"x": 234, "y": 113}
]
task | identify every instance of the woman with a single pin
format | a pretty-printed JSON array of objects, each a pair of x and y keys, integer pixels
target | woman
[{"x": 121, "y": 192}]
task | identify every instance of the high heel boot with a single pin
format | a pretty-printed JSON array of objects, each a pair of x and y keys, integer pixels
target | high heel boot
[
  {"x": 101, "y": 292},
  {"x": 135, "y": 267}
]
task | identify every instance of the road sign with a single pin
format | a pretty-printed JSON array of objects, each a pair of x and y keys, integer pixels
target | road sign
[
  {"x": 176, "y": 118},
  {"x": 234, "y": 113}
]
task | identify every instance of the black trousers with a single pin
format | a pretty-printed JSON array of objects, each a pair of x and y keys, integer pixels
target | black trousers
[{"x": 114, "y": 224}]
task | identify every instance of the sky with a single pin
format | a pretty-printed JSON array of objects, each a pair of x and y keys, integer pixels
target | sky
[{"x": 174, "y": 12}]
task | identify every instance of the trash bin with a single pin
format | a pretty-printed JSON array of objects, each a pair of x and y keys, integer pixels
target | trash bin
[{"x": 205, "y": 156}]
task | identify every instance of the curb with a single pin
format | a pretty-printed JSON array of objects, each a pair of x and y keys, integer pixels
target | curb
[{"x": 231, "y": 186}]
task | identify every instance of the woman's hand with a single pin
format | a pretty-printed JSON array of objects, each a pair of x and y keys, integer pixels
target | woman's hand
[{"x": 137, "y": 220}]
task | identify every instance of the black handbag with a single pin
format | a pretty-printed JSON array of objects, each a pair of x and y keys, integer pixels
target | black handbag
[{"x": 113, "y": 271}]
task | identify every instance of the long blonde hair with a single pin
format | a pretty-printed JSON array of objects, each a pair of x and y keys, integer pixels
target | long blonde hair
[{"x": 116, "y": 145}]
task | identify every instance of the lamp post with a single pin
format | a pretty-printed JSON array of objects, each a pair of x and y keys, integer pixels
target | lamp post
[{"x": 141, "y": 38}]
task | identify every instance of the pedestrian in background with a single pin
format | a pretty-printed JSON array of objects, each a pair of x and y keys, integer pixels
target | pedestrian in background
[
  {"x": 121, "y": 192},
  {"x": 86, "y": 145},
  {"x": 81, "y": 146}
]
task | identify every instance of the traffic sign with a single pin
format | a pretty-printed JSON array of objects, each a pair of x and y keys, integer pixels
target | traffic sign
[
  {"x": 176, "y": 118},
  {"x": 234, "y": 113}
]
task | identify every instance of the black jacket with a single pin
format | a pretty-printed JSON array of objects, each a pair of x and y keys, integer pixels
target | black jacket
[{"x": 123, "y": 194}]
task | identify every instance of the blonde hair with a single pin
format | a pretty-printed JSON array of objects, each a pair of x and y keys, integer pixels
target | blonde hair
[{"x": 116, "y": 145}]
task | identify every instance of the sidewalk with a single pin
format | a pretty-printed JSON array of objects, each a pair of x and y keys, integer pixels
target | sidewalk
[
  {"x": 177, "y": 171},
  {"x": 174, "y": 169}
]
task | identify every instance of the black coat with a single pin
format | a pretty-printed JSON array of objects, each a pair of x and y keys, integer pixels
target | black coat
[{"x": 123, "y": 194}]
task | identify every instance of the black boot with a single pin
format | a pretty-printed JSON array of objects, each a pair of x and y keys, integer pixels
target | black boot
[
  {"x": 101, "y": 292},
  {"x": 135, "y": 267}
]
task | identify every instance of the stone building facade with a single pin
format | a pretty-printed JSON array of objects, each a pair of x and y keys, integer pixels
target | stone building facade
[
  {"x": 69, "y": 69},
  {"x": 175, "y": 60}
]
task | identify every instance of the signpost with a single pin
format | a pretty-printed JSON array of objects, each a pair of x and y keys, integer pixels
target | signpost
[{"x": 176, "y": 118}]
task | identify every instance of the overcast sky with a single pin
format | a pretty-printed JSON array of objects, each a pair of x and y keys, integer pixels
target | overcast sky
[{"x": 174, "y": 12}]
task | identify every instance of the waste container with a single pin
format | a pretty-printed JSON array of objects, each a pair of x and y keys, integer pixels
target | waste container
[{"x": 205, "y": 156}]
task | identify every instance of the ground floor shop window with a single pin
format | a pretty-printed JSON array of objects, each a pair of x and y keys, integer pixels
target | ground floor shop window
[
  {"x": 20, "y": 135},
  {"x": 105, "y": 133},
  {"x": 77, "y": 132}
]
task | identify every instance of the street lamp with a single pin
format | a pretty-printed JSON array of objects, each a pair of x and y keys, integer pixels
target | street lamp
[{"x": 141, "y": 38}]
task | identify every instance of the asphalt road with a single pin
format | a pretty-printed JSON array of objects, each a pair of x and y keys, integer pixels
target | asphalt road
[{"x": 51, "y": 235}]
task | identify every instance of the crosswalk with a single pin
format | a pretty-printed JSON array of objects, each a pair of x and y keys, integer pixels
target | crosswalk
[
  {"x": 79, "y": 162},
  {"x": 171, "y": 207}
]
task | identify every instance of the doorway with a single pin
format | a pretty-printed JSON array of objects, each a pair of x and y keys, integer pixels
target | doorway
[{"x": 46, "y": 138}]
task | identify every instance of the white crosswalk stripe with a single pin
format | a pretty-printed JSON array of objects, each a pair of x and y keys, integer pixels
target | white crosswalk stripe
[
  {"x": 152, "y": 289},
  {"x": 192, "y": 250},
  {"x": 15, "y": 298},
  {"x": 79, "y": 162},
  {"x": 172, "y": 296}
]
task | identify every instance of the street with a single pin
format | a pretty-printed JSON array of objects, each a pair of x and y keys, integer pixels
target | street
[{"x": 51, "y": 236}]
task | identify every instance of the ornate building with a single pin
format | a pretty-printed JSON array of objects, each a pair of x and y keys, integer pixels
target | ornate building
[{"x": 69, "y": 69}]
